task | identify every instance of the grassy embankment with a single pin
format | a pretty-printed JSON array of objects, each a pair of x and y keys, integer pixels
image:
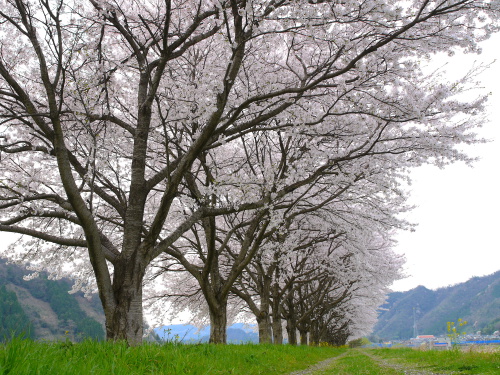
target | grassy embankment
[
  {"x": 21, "y": 357},
  {"x": 27, "y": 357}
]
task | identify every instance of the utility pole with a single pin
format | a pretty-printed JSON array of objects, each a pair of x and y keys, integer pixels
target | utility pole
[{"x": 415, "y": 330}]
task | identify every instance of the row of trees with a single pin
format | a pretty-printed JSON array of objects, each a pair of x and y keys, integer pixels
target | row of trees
[
  {"x": 317, "y": 258},
  {"x": 253, "y": 148}
]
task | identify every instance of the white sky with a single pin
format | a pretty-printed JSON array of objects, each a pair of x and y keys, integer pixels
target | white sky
[{"x": 458, "y": 207}]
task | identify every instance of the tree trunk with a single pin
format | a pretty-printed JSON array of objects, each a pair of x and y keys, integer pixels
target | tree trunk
[
  {"x": 303, "y": 337},
  {"x": 263, "y": 319},
  {"x": 276, "y": 311},
  {"x": 277, "y": 330},
  {"x": 218, "y": 323},
  {"x": 314, "y": 334},
  {"x": 125, "y": 322},
  {"x": 264, "y": 323},
  {"x": 291, "y": 329},
  {"x": 291, "y": 321}
]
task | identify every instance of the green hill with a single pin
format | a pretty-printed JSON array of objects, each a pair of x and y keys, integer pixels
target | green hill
[
  {"x": 42, "y": 309},
  {"x": 477, "y": 301}
]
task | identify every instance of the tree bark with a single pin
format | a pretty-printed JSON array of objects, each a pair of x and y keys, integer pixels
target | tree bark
[
  {"x": 314, "y": 334},
  {"x": 218, "y": 323},
  {"x": 264, "y": 323},
  {"x": 124, "y": 318},
  {"x": 125, "y": 322},
  {"x": 277, "y": 330},
  {"x": 276, "y": 311},
  {"x": 303, "y": 337},
  {"x": 291, "y": 329},
  {"x": 263, "y": 318}
]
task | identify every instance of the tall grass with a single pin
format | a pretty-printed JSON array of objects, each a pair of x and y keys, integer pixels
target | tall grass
[{"x": 21, "y": 356}]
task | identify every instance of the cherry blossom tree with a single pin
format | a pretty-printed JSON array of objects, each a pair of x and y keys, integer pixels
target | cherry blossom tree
[
  {"x": 322, "y": 276},
  {"x": 218, "y": 250},
  {"x": 108, "y": 107}
]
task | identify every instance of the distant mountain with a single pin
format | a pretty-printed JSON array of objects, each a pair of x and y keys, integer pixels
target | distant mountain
[
  {"x": 186, "y": 333},
  {"x": 42, "y": 309},
  {"x": 477, "y": 301}
]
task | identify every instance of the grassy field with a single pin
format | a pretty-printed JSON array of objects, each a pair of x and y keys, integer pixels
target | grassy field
[
  {"x": 21, "y": 357},
  {"x": 27, "y": 357}
]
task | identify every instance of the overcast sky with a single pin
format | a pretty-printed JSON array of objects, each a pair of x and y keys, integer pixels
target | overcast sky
[{"x": 458, "y": 207}]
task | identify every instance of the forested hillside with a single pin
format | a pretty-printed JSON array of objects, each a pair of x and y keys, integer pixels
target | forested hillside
[
  {"x": 43, "y": 309},
  {"x": 477, "y": 301}
]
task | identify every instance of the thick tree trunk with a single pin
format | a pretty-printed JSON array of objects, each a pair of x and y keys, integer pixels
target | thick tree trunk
[
  {"x": 218, "y": 323},
  {"x": 264, "y": 324},
  {"x": 125, "y": 322}
]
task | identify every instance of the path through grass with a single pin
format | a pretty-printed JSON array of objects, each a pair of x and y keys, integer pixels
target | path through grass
[
  {"x": 446, "y": 362},
  {"x": 410, "y": 362},
  {"x": 354, "y": 363},
  {"x": 413, "y": 362}
]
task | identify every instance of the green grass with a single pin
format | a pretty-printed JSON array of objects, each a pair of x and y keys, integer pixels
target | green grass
[
  {"x": 21, "y": 356},
  {"x": 27, "y": 357},
  {"x": 456, "y": 361}
]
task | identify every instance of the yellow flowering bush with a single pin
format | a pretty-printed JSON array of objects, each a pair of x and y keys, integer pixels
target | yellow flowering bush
[{"x": 455, "y": 330}]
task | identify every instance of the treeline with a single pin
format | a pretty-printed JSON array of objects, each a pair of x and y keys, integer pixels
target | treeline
[
  {"x": 73, "y": 322},
  {"x": 491, "y": 327}
]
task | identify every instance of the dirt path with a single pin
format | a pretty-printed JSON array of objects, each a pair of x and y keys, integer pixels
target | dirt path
[
  {"x": 406, "y": 369},
  {"x": 318, "y": 366},
  {"x": 403, "y": 369}
]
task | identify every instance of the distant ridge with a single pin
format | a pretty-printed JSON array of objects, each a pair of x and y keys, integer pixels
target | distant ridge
[{"x": 476, "y": 300}]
